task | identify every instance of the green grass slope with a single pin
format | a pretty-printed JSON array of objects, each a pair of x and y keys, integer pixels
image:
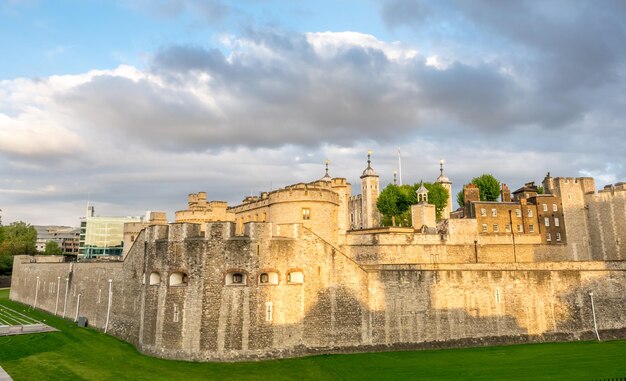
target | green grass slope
[{"x": 84, "y": 354}]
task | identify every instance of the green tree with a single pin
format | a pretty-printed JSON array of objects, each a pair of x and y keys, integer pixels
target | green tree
[
  {"x": 489, "y": 187},
  {"x": 53, "y": 248},
  {"x": 540, "y": 189},
  {"x": 394, "y": 203},
  {"x": 437, "y": 195},
  {"x": 460, "y": 199},
  {"x": 18, "y": 238}
]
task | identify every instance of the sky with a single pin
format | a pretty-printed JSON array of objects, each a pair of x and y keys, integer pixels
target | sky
[{"x": 131, "y": 105}]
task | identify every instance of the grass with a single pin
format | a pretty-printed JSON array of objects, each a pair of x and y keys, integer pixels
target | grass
[{"x": 84, "y": 354}]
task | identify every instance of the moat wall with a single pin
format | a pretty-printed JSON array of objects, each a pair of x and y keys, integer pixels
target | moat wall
[{"x": 340, "y": 305}]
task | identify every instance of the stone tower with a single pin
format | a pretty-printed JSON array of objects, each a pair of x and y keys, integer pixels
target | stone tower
[
  {"x": 446, "y": 183},
  {"x": 369, "y": 191}
]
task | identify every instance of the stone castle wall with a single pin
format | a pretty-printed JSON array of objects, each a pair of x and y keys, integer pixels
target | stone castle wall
[{"x": 349, "y": 298}]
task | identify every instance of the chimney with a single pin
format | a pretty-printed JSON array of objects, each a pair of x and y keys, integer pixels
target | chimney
[{"x": 505, "y": 193}]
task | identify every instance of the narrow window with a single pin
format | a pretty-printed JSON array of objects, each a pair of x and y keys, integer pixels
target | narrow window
[
  {"x": 548, "y": 237},
  {"x": 556, "y": 221},
  {"x": 495, "y": 228},
  {"x": 237, "y": 278},
  {"x": 545, "y": 207},
  {"x": 494, "y": 212},
  {"x": 554, "y": 208},
  {"x": 483, "y": 212},
  {"x": 558, "y": 237},
  {"x": 484, "y": 228},
  {"x": 264, "y": 278},
  {"x": 507, "y": 227},
  {"x": 530, "y": 212},
  {"x": 546, "y": 221},
  {"x": 268, "y": 312},
  {"x": 518, "y": 212},
  {"x": 267, "y": 278},
  {"x": 306, "y": 214},
  {"x": 531, "y": 228},
  {"x": 519, "y": 228}
]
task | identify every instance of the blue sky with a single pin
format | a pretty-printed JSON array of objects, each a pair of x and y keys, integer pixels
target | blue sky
[{"x": 135, "y": 104}]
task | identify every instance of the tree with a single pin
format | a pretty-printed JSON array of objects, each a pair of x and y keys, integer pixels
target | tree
[
  {"x": 18, "y": 238},
  {"x": 488, "y": 186},
  {"x": 53, "y": 248},
  {"x": 438, "y": 196},
  {"x": 460, "y": 199},
  {"x": 394, "y": 203},
  {"x": 540, "y": 190}
]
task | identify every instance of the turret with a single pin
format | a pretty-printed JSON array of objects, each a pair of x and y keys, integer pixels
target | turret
[
  {"x": 446, "y": 183},
  {"x": 370, "y": 190}
]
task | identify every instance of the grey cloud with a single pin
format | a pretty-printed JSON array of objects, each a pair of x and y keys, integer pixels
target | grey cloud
[{"x": 404, "y": 12}]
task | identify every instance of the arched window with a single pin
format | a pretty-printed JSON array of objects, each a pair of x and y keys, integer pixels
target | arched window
[
  {"x": 268, "y": 278},
  {"x": 236, "y": 278},
  {"x": 155, "y": 278},
  {"x": 178, "y": 279},
  {"x": 295, "y": 277}
]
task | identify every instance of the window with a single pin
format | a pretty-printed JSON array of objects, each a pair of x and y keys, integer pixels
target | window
[
  {"x": 546, "y": 221},
  {"x": 545, "y": 207},
  {"x": 518, "y": 212},
  {"x": 178, "y": 279},
  {"x": 530, "y": 212},
  {"x": 558, "y": 237},
  {"x": 531, "y": 228},
  {"x": 267, "y": 278},
  {"x": 548, "y": 237},
  {"x": 295, "y": 277},
  {"x": 236, "y": 278},
  {"x": 554, "y": 208},
  {"x": 268, "y": 311},
  {"x": 556, "y": 221},
  {"x": 569, "y": 196},
  {"x": 494, "y": 212},
  {"x": 155, "y": 278},
  {"x": 484, "y": 228},
  {"x": 507, "y": 227},
  {"x": 495, "y": 228},
  {"x": 306, "y": 214},
  {"x": 483, "y": 212},
  {"x": 520, "y": 229}
]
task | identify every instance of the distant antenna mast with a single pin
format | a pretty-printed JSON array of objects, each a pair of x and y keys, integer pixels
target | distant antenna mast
[{"x": 399, "y": 166}]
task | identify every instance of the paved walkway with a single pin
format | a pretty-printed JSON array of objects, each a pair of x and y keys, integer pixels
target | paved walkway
[{"x": 4, "y": 376}]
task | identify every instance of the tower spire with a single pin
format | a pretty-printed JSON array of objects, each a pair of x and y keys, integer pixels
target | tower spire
[
  {"x": 326, "y": 175},
  {"x": 441, "y": 161}
]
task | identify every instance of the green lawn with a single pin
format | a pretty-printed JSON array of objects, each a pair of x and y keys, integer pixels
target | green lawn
[{"x": 85, "y": 354}]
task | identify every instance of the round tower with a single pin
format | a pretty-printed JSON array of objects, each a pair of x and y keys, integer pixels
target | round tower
[
  {"x": 369, "y": 192},
  {"x": 446, "y": 183}
]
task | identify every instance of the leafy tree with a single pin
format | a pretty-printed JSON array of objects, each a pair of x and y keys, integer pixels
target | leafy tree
[
  {"x": 53, "y": 248},
  {"x": 540, "y": 189},
  {"x": 489, "y": 187},
  {"x": 437, "y": 195},
  {"x": 460, "y": 199},
  {"x": 6, "y": 264},
  {"x": 18, "y": 238},
  {"x": 394, "y": 203}
]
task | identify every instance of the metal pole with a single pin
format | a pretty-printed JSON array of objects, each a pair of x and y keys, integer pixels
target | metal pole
[
  {"x": 106, "y": 325},
  {"x": 77, "y": 307},
  {"x": 67, "y": 286},
  {"x": 593, "y": 311},
  {"x": 36, "y": 293},
  {"x": 56, "y": 306}
]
